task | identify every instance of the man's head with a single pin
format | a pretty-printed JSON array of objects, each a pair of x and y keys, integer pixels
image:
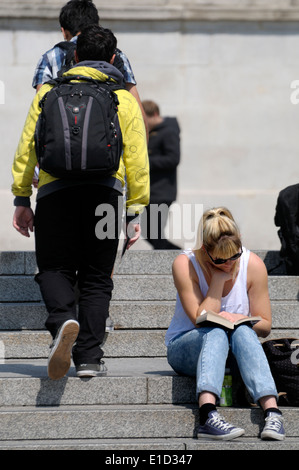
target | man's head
[
  {"x": 76, "y": 14},
  {"x": 96, "y": 43},
  {"x": 152, "y": 112}
]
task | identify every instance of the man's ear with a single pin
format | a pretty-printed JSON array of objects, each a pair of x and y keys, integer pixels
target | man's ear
[
  {"x": 66, "y": 34},
  {"x": 112, "y": 59}
]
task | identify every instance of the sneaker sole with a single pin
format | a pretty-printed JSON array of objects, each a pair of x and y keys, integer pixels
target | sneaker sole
[
  {"x": 59, "y": 360},
  {"x": 222, "y": 437},
  {"x": 272, "y": 436},
  {"x": 90, "y": 373}
]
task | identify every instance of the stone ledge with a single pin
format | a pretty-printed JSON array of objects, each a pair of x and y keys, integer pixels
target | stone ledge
[{"x": 187, "y": 10}]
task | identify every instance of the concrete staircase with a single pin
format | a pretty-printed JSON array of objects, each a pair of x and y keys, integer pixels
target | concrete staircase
[{"x": 141, "y": 403}]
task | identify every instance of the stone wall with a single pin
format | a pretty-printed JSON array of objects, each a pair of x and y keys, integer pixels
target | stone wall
[{"x": 224, "y": 68}]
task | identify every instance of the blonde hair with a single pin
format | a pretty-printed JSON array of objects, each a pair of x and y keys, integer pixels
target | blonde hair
[{"x": 217, "y": 233}]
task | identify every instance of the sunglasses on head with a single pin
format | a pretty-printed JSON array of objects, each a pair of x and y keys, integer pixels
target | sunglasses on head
[{"x": 222, "y": 261}]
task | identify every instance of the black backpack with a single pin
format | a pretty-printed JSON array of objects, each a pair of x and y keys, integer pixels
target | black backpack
[
  {"x": 77, "y": 133},
  {"x": 282, "y": 355},
  {"x": 287, "y": 218}
]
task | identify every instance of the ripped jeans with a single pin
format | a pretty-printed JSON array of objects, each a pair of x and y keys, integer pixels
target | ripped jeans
[{"x": 202, "y": 352}]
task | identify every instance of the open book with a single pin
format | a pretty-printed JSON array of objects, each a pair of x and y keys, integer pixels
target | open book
[{"x": 212, "y": 317}]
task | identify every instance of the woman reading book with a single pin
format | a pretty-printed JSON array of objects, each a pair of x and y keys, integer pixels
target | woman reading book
[{"x": 222, "y": 276}]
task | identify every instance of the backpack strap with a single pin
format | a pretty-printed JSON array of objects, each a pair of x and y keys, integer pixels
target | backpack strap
[
  {"x": 69, "y": 59},
  {"x": 112, "y": 87}
]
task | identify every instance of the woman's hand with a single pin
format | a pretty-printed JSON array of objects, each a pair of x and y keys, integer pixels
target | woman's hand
[
  {"x": 233, "y": 317},
  {"x": 219, "y": 275}
]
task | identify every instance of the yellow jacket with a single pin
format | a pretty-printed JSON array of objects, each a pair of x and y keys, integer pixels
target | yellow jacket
[{"x": 133, "y": 168}]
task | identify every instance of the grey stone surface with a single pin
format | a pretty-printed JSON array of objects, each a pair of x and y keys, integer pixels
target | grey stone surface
[
  {"x": 73, "y": 391},
  {"x": 141, "y": 315},
  {"x": 158, "y": 444},
  {"x": 117, "y": 367},
  {"x": 96, "y": 422},
  {"x": 285, "y": 314},
  {"x": 22, "y": 316},
  {"x": 167, "y": 10},
  {"x": 98, "y": 444},
  {"x": 244, "y": 443},
  {"x": 117, "y": 422},
  {"x": 126, "y": 343},
  {"x": 284, "y": 287},
  {"x": 135, "y": 288},
  {"x": 18, "y": 289},
  {"x": 135, "y": 261},
  {"x": 12, "y": 262}
]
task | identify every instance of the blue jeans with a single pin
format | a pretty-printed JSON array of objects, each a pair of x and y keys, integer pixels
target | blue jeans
[{"x": 202, "y": 352}]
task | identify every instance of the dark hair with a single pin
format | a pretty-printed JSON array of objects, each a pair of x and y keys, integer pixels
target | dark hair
[
  {"x": 76, "y": 14},
  {"x": 96, "y": 43}
]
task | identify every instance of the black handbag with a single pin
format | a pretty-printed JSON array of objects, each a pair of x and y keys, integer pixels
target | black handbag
[{"x": 283, "y": 358}]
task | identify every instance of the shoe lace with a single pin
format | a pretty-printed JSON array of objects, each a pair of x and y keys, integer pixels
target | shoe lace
[
  {"x": 273, "y": 423},
  {"x": 220, "y": 422}
]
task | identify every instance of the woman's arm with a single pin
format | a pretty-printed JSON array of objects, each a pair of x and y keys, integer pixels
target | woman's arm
[{"x": 258, "y": 294}]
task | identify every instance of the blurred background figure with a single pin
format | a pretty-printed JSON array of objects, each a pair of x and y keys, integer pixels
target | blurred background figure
[{"x": 164, "y": 157}]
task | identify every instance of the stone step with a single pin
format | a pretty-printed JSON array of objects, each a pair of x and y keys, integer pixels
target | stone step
[
  {"x": 124, "y": 422},
  {"x": 153, "y": 451},
  {"x": 134, "y": 262},
  {"x": 108, "y": 445},
  {"x": 136, "y": 288},
  {"x": 128, "y": 381},
  {"x": 132, "y": 381},
  {"x": 143, "y": 315},
  {"x": 139, "y": 405},
  {"x": 121, "y": 343},
  {"x": 126, "y": 343}
]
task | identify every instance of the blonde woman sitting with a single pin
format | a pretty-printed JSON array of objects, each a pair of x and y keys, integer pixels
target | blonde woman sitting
[{"x": 223, "y": 276}]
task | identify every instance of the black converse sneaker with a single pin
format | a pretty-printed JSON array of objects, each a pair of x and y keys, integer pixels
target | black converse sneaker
[
  {"x": 217, "y": 428},
  {"x": 91, "y": 370},
  {"x": 273, "y": 428}
]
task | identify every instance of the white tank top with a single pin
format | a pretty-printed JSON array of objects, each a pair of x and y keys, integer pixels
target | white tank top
[{"x": 236, "y": 301}]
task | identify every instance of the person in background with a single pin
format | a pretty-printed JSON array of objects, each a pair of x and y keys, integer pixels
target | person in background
[
  {"x": 164, "y": 158},
  {"x": 223, "y": 276},
  {"x": 75, "y": 15}
]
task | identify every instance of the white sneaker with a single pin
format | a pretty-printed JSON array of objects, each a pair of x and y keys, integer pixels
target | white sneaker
[{"x": 59, "y": 360}]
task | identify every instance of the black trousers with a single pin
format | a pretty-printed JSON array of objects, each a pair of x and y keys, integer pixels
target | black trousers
[
  {"x": 153, "y": 223},
  {"x": 74, "y": 256}
]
